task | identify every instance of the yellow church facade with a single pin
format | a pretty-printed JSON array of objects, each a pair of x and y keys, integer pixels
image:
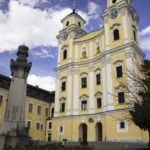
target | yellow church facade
[{"x": 90, "y": 101}]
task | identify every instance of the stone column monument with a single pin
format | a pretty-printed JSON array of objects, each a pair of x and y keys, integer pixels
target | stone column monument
[{"x": 13, "y": 129}]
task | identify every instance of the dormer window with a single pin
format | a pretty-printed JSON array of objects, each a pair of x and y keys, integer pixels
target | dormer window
[
  {"x": 79, "y": 23},
  {"x": 67, "y": 23},
  {"x": 114, "y": 1}
]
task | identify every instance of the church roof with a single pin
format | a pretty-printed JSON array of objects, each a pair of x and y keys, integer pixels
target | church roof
[
  {"x": 32, "y": 91},
  {"x": 73, "y": 14}
]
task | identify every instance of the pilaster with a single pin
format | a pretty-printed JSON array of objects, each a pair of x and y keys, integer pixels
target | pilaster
[
  {"x": 106, "y": 33},
  {"x": 70, "y": 49},
  {"x": 91, "y": 88},
  {"x": 124, "y": 22},
  {"x": 91, "y": 50},
  {"x": 130, "y": 77},
  {"x": 104, "y": 85},
  {"x": 76, "y": 53},
  {"x": 69, "y": 91},
  {"x": 109, "y": 84},
  {"x": 75, "y": 103},
  {"x": 59, "y": 53},
  {"x": 56, "y": 95}
]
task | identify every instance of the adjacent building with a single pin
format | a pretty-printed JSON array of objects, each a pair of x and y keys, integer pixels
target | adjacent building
[{"x": 39, "y": 109}]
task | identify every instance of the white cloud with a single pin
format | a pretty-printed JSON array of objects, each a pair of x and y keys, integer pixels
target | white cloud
[
  {"x": 43, "y": 53},
  {"x": 145, "y": 43},
  {"x": 93, "y": 10},
  {"x": 145, "y": 31},
  {"x": 31, "y": 3},
  {"x": 145, "y": 38},
  {"x": 44, "y": 82},
  {"x": 34, "y": 27}
]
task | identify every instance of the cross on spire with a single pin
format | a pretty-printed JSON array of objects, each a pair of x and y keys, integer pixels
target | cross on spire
[{"x": 74, "y": 6}]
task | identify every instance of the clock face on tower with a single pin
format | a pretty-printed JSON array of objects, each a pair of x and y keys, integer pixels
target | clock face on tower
[
  {"x": 65, "y": 36},
  {"x": 114, "y": 14}
]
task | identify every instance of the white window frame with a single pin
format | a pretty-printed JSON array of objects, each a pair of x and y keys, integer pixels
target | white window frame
[
  {"x": 63, "y": 79},
  {"x": 61, "y": 133},
  {"x": 46, "y": 111},
  {"x": 98, "y": 95},
  {"x": 62, "y": 100},
  {"x": 84, "y": 75},
  {"x": 29, "y": 120},
  {"x": 120, "y": 129},
  {"x": 113, "y": 28},
  {"x": 118, "y": 63},
  {"x": 41, "y": 109},
  {"x": 32, "y": 107},
  {"x": 39, "y": 125},
  {"x": 83, "y": 98},
  {"x": 120, "y": 88},
  {"x": 97, "y": 71},
  {"x": 65, "y": 47}
]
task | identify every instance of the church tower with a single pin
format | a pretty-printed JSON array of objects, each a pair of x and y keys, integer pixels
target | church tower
[
  {"x": 73, "y": 27},
  {"x": 89, "y": 69},
  {"x": 120, "y": 23}
]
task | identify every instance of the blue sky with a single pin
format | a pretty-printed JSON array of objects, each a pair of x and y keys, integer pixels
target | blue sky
[{"x": 36, "y": 23}]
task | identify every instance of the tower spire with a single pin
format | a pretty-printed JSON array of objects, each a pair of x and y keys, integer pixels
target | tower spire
[{"x": 74, "y": 6}]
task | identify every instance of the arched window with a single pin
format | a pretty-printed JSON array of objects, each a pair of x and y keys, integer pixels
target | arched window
[
  {"x": 84, "y": 102},
  {"x": 114, "y": 1},
  {"x": 99, "y": 99},
  {"x": 67, "y": 23},
  {"x": 116, "y": 34},
  {"x": 65, "y": 54},
  {"x": 62, "y": 104},
  {"x": 98, "y": 77},
  {"x": 121, "y": 94},
  {"x": 134, "y": 33},
  {"x": 79, "y": 23},
  {"x": 84, "y": 80}
]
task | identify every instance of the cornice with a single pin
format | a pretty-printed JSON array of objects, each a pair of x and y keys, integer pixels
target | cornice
[
  {"x": 89, "y": 40},
  {"x": 95, "y": 115},
  {"x": 71, "y": 28}
]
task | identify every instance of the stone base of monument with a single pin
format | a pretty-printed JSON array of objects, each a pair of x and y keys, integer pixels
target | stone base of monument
[{"x": 13, "y": 140}]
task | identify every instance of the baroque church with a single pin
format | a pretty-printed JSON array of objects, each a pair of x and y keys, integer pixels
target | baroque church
[{"x": 90, "y": 101}]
